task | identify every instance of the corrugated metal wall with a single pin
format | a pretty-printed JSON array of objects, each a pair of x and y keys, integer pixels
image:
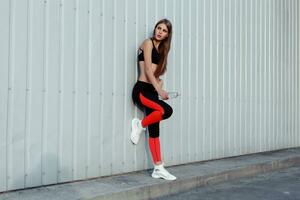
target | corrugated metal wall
[{"x": 67, "y": 68}]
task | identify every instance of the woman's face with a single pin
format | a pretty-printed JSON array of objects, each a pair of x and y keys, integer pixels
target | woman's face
[{"x": 161, "y": 32}]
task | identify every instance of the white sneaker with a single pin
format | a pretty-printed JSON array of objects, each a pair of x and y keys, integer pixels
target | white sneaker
[
  {"x": 136, "y": 130},
  {"x": 160, "y": 172}
]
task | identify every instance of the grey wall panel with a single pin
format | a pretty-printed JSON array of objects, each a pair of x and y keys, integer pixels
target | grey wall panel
[
  {"x": 93, "y": 161},
  {"x": 34, "y": 97},
  {"x": 16, "y": 130},
  {"x": 4, "y": 71},
  {"x": 68, "y": 67},
  {"x": 297, "y": 23},
  {"x": 65, "y": 159}
]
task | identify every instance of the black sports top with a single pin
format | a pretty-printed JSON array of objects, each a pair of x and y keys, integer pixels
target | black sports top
[{"x": 154, "y": 55}]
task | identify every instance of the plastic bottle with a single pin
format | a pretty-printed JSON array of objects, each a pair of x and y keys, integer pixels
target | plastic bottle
[{"x": 171, "y": 95}]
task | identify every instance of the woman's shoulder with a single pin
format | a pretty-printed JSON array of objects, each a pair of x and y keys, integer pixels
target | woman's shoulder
[
  {"x": 148, "y": 40},
  {"x": 146, "y": 43}
]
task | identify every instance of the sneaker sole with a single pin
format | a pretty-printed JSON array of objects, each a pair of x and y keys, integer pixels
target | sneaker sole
[
  {"x": 158, "y": 176},
  {"x": 132, "y": 124}
]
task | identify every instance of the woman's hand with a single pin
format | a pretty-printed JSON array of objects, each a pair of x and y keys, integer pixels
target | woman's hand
[{"x": 163, "y": 94}]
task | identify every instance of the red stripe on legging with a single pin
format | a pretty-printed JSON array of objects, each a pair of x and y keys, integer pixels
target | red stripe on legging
[
  {"x": 156, "y": 115},
  {"x": 154, "y": 145}
]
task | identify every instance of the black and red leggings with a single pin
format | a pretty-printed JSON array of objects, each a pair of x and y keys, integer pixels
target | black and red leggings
[{"x": 145, "y": 97}]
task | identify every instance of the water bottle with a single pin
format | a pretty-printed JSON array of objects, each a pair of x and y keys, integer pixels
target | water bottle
[{"x": 171, "y": 95}]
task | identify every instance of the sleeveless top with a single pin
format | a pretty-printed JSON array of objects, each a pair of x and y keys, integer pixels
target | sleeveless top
[{"x": 154, "y": 55}]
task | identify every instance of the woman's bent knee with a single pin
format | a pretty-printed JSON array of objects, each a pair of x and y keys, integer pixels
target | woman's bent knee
[{"x": 168, "y": 112}]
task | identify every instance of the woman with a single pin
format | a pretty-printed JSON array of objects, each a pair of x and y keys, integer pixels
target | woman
[{"x": 152, "y": 59}]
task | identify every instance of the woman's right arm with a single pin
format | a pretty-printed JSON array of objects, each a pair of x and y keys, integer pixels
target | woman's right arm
[{"x": 148, "y": 69}]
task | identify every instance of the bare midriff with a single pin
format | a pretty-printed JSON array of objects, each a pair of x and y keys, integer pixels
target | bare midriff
[{"x": 143, "y": 76}]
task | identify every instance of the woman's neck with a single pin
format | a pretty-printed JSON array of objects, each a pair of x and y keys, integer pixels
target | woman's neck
[{"x": 156, "y": 43}]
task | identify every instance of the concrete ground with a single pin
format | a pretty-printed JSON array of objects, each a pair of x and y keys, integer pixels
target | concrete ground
[
  {"x": 278, "y": 185},
  {"x": 140, "y": 185}
]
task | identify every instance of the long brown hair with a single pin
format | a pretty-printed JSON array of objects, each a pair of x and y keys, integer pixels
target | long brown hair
[{"x": 163, "y": 48}]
